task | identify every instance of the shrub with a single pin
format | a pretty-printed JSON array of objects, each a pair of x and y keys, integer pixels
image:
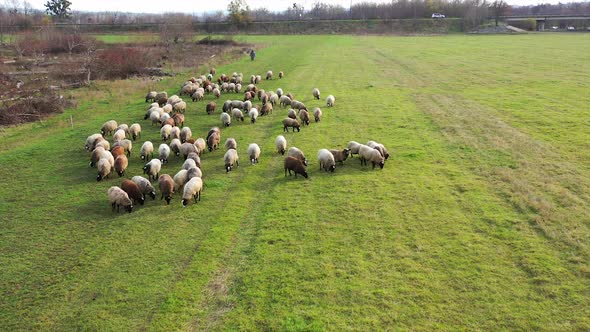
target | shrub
[
  {"x": 33, "y": 108},
  {"x": 122, "y": 62}
]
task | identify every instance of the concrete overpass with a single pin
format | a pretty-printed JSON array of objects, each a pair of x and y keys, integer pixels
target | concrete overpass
[{"x": 541, "y": 19}]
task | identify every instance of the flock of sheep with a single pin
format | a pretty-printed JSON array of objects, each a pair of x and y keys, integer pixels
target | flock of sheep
[{"x": 169, "y": 114}]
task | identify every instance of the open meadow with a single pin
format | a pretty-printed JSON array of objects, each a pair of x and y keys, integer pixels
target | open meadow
[{"x": 480, "y": 219}]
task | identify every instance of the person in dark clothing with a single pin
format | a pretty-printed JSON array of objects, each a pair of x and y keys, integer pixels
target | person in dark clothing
[{"x": 252, "y": 55}]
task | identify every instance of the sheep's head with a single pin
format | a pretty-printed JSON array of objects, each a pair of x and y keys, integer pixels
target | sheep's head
[
  {"x": 304, "y": 174},
  {"x": 98, "y": 178},
  {"x": 168, "y": 198},
  {"x": 129, "y": 208},
  {"x": 332, "y": 168},
  {"x": 153, "y": 195}
]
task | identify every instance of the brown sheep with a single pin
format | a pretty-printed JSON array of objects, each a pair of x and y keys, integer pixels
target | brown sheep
[
  {"x": 292, "y": 114},
  {"x": 178, "y": 119},
  {"x": 247, "y": 96},
  {"x": 170, "y": 122},
  {"x": 340, "y": 156},
  {"x": 166, "y": 187},
  {"x": 95, "y": 157},
  {"x": 213, "y": 141},
  {"x": 304, "y": 117},
  {"x": 121, "y": 163},
  {"x": 117, "y": 151},
  {"x": 210, "y": 108},
  {"x": 266, "y": 109},
  {"x": 295, "y": 165},
  {"x": 133, "y": 191},
  {"x": 288, "y": 122}
]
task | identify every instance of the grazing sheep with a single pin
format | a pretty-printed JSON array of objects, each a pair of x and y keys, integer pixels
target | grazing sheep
[
  {"x": 200, "y": 144},
  {"x": 192, "y": 190},
  {"x": 380, "y": 147},
  {"x": 292, "y": 114},
  {"x": 295, "y": 165},
  {"x": 118, "y": 198},
  {"x": 151, "y": 96},
  {"x": 188, "y": 89},
  {"x": 258, "y": 79},
  {"x": 227, "y": 106},
  {"x": 195, "y": 157},
  {"x": 198, "y": 95},
  {"x": 173, "y": 100},
  {"x": 254, "y": 153},
  {"x": 175, "y": 133},
  {"x": 108, "y": 156},
  {"x": 180, "y": 179},
  {"x": 152, "y": 168},
  {"x": 304, "y": 117},
  {"x": 353, "y": 147},
  {"x": 326, "y": 160},
  {"x": 237, "y": 114},
  {"x": 225, "y": 119},
  {"x": 317, "y": 114},
  {"x": 155, "y": 117},
  {"x": 340, "y": 156},
  {"x": 103, "y": 143},
  {"x": 316, "y": 93},
  {"x": 175, "y": 146},
  {"x": 264, "y": 99},
  {"x": 179, "y": 107},
  {"x": 167, "y": 109},
  {"x": 269, "y": 75},
  {"x": 290, "y": 95},
  {"x": 95, "y": 156},
  {"x": 119, "y": 135},
  {"x": 186, "y": 148},
  {"x": 185, "y": 134},
  {"x": 210, "y": 108},
  {"x": 274, "y": 99},
  {"x": 212, "y": 71},
  {"x": 108, "y": 127},
  {"x": 161, "y": 98},
  {"x": 165, "y": 132},
  {"x": 146, "y": 151},
  {"x": 253, "y": 114},
  {"x": 124, "y": 127},
  {"x": 281, "y": 144},
  {"x": 117, "y": 151},
  {"x": 281, "y": 74},
  {"x": 288, "y": 122},
  {"x": 194, "y": 172},
  {"x": 266, "y": 109},
  {"x": 178, "y": 119},
  {"x": 133, "y": 191},
  {"x": 145, "y": 186},
  {"x": 166, "y": 185},
  {"x": 92, "y": 140},
  {"x": 135, "y": 131},
  {"x": 330, "y": 101},
  {"x": 297, "y": 153},
  {"x": 216, "y": 93},
  {"x": 367, "y": 153},
  {"x": 236, "y": 104},
  {"x": 284, "y": 101},
  {"x": 104, "y": 169},
  {"x": 279, "y": 92},
  {"x": 230, "y": 158},
  {"x": 238, "y": 88},
  {"x": 248, "y": 96},
  {"x": 295, "y": 104},
  {"x": 121, "y": 163},
  {"x": 164, "y": 153},
  {"x": 231, "y": 143},
  {"x": 126, "y": 144},
  {"x": 247, "y": 106}
]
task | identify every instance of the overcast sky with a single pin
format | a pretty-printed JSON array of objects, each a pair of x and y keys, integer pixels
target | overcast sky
[{"x": 199, "y": 6}]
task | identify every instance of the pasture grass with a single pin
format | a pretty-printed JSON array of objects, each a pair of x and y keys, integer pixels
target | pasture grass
[{"x": 479, "y": 220}]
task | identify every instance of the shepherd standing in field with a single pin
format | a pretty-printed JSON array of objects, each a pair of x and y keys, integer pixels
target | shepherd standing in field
[{"x": 252, "y": 55}]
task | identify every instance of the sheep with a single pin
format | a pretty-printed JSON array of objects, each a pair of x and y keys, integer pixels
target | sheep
[
  {"x": 288, "y": 122},
  {"x": 172, "y": 124},
  {"x": 326, "y": 160},
  {"x": 330, "y": 101},
  {"x": 367, "y": 153},
  {"x": 252, "y": 79},
  {"x": 295, "y": 165},
  {"x": 152, "y": 168},
  {"x": 108, "y": 127},
  {"x": 292, "y": 114},
  {"x": 166, "y": 109},
  {"x": 119, "y": 135},
  {"x": 213, "y": 141},
  {"x": 161, "y": 98},
  {"x": 253, "y": 114},
  {"x": 284, "y": 101},
  {"x": 380, "y": 147},
  {"x": 269, "y": 75},
  {"x": 175, "y": 146},
  {"x": 225, "y": 119},
  {"x": 117, "y": 151},
  {"x": 266, "y": 109},
  {"x": 186, "y": 148},
  {"x": 198, "y": 95},
  {"x": 163, "y": 153},
  {"x": 104, "y": 144},
  {"x": 212, "y": 71},
  {"x": 281, "y": 144},
  {"x": 238, "y": 88},
  {"x": 145, "y": 186},
  {"x": 192, "y": 190},
  {"x": 304, "y": 117},
  {"x": 121, "y": 163},
  {"x": 216, "y": 93},
  {"x": 133, "y": 191},
  {"x": 340, "y": 156},
  {"x": 257, "y": 79},
  {"x": 135, "y": 131},
  {"x": 195, "y": 157},
  {"x": 254, "y": 153},
  {"x": 166, "y": 185},
  {"x": 297, "y": 153},
  {"x": 173, "y": 100},
  {"x": 178, "y": 119},
  {"x": 189, "y": 163},
  {"x": 179, "y": 107},
  {"x": 248, "y": 96},
  {"x": 279, "y": 92},
  {"x": 264, "y": 99},
  {"x": 317, "y": 114},
  {"x": 194, "y": 172},
  {"x": 290, "y": 95},
  {"x": 231, "y": 143},
  {"x": 180, "y": 179},
  {"x": 200, "y": 144},
  {"x": 316, "y": 93},
  {"x": 126, "y": 144},
  {"x": 146, "y": 151},
  {"x": 295, "y": 104},
  {"x": 247, "y": 106},
  {"x": 227, "y": 106},
  {"x": 237, "y": 114},
  {"x": 165, "y": 132},
  {"x": 230, "y": 158},
  {"x": 92, "y": 140},
  {"x": 281, "y": 74},
  {"x": 188, "y": 89},
  {"x": 212, "y": 131},
  {"x": 118, "y": 198},
  {"x": 353, "y": 147},
  {"x": 236, "y": 104},
  {"x": 185, "y": 134},
  {"x": 124, "y": 127},
  {"x": 95, "y": 156},
  {"x": 151, "y": 96},
  {"x": 274, "y": 99},
  {"x": 175, "y": 133},
  {"x": 154, "y": 117},
  {"x": 104, "y": 169},
  {"x": 210, "y": 108},
  {"x": 108, "y": 156}
]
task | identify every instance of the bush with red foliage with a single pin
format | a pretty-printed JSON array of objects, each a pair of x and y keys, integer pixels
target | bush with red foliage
[{"x": 123, "y": 62}]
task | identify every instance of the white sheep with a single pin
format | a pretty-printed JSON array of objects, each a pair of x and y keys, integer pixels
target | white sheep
[
  {"x": 175, "y": 133},
  {"x": 237, "y": 114},
  {"x": 175, "y": 146},
  {"x": 281, "y": 144},
  {"x": 380, "y": 147},
  {"x": 195, "y": 157},
  {"x": 269, "y": 75},
  {"x": 297, "y": 153},
  {"x": 253, "y": 114},
  {"x": 155, "y": 117},
  {"x": 104, "y": 144},
  {"x": 119, "y": 135},
  {"x": 164, "y": 152},
  {"x": 316, "y": 93},
  {"x": 118, "y": 197},
  {"x": 92, "y": 140},
  {"x": 165, "y": 132},
  {"x": 225, "y": 119},
  {"x": 200, "y": 144},
  {"x": 145, "y": 186},
  {"x": 108, "y": 127},
  {"x": 166, "y": 109},
  {"x": 194, "y": 172},
  {"x": 279, "y": 92},
  {"x": 124, "y": 127},
  {"x": 354, "y": 147},
  {"x": 284, "y": 101},
  {"x": 330, "y": 101},
  {"x": 135, "y": 131},
  {"x": 189, "y": 163},
  {"x": 186, "y": 148},
  {"x": 254, "y": 153},
  {"x": 180, "y": 179},
  {"x": 146, "y": 151},
  {"x": 179, "y": 107},
  {"x": 185, "y": 134},
  {"x": 317, "y": 114},
  {"x": 104, "y": 168},
  {"x": 326, "y": 159},
  {"x": 230, "y": 158},
  {"x": 231, "y": 143},
  {"x": 367, "y": 153},
  {"x": 152, "y": 168},
  {"x": 126, "y": 144},
  {"x": 192, "y": 190}
]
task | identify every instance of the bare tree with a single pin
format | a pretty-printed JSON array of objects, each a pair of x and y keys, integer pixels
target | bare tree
[
  {"x": 89, "y": 58},
  {"x": 499, "y": 8}
]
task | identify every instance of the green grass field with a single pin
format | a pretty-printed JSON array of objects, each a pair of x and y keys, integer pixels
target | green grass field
[{"x": 480, "y": 219}]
